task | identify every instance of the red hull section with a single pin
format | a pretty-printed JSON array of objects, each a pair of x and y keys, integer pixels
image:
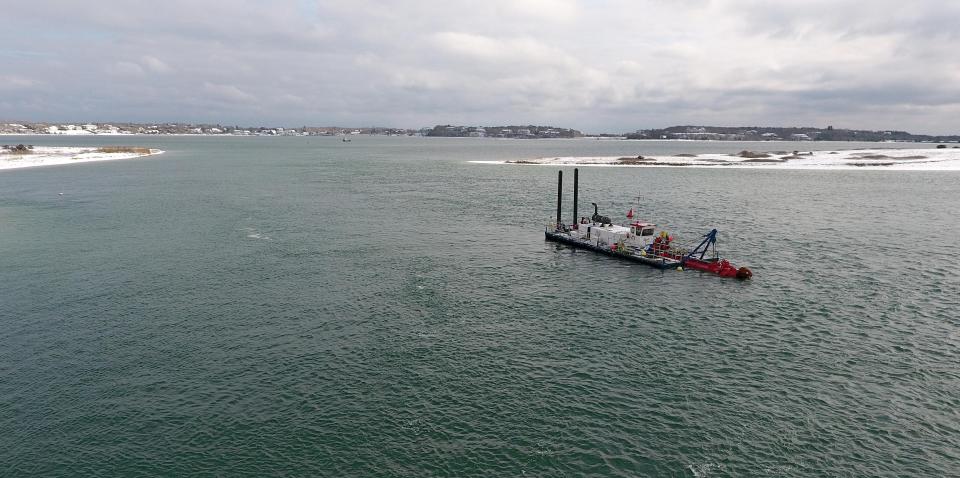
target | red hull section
[{"x": 722, "y": 268}]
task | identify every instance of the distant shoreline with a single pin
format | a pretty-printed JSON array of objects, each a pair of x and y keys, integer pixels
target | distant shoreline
[{"x": 581, "y": 138}]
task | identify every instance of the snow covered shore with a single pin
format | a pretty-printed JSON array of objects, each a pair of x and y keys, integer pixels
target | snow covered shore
[
  {"x": 871, "y": 159},
  {"x": 57, "y": 155}
]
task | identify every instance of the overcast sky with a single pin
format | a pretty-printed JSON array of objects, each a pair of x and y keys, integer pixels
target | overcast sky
[{"x": 598, "y": 66}]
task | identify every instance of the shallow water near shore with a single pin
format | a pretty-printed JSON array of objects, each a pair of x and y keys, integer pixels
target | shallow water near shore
[{"x": 384, "y": 307}]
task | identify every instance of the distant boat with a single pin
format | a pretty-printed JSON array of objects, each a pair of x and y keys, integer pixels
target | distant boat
[{"x": 344, "y": 139}]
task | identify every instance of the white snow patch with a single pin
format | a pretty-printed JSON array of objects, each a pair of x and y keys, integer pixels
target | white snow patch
[{"x": 869, "y": 159}]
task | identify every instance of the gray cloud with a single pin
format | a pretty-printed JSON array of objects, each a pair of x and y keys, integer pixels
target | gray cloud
[{"x": 613, "y": 65}]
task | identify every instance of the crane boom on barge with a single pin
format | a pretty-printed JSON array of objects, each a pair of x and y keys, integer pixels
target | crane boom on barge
[{"x": 636, "y": 241}]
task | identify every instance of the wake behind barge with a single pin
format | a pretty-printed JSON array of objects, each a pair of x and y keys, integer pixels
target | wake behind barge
[{"x": 636, "y": 241}]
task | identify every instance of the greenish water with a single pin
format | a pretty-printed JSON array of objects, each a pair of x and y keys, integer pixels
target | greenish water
[{"x": 303, "y": 306}]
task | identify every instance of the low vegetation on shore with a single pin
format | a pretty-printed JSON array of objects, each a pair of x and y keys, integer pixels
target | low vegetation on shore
[
  {"x": 123, "y": 149},
  {"x": 637, "y": 160},
  {"x": 751, "y": 155},
  {"x": 18, "y": 149}
]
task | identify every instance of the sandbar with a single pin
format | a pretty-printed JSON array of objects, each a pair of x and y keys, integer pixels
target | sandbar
[{"x": 60, "y": 155}]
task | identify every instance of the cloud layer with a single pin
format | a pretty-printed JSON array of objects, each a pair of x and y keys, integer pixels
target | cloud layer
[{"x": 600, "y": 66}]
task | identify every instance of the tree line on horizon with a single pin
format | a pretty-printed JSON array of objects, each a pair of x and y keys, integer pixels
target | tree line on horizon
[{"x": 747, "y": 133}]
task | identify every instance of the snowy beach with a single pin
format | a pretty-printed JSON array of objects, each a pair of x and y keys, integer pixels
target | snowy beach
[
  {"x": 57, "y": 155},
  {"x": 947, "y": 159}
]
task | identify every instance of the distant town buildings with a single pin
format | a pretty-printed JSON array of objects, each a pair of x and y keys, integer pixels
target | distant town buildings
[{"x": 191, "y": 129}]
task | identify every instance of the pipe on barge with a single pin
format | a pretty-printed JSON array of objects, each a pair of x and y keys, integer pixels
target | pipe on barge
[
  {"x": 559, "y": 196},
  {"x": 575, "y": 188}
]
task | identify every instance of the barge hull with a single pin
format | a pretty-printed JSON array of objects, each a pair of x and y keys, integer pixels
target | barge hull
[{"x": 659, "y": 263}]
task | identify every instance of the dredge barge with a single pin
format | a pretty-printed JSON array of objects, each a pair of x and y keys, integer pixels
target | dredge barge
[{"x": 636, "y": 240}]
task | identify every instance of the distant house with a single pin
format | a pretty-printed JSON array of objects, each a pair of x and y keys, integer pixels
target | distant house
[
  {"x": 698, "y": 135},
  {"x": 800, "y": 137}
]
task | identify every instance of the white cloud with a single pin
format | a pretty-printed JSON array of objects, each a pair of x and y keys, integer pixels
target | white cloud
[
  {"x": 154, "y": 64},
  {"x": 228, "y": 92},
  {"x": 16, "y": 83},
  {"x": 552, "y": 10},
  {"x": 125, "y": 68}
]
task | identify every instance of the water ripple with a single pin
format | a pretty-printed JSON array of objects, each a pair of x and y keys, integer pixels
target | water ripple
[{"x": 404, "y": 319}]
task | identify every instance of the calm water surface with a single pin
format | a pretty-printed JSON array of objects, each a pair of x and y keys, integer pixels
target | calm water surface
[{"x": 303, "y": 306}]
